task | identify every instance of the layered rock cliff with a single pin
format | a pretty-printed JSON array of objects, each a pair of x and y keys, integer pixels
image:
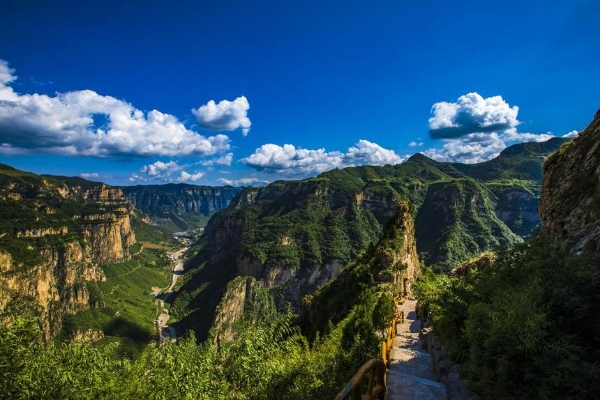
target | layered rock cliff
[
  {"x": 391, "y": 266},
  {"x": 246, "y": 301},
  {"x": 54, "y": 236},
  {"x": 570, "y": 199},
  {"x": 180, "y": 206}
]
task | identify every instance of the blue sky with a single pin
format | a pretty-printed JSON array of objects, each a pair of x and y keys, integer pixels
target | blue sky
[{"x": 247, "y": 92}]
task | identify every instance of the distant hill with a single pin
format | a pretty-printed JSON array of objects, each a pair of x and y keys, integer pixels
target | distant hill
[{"x": 180, "y": 207}]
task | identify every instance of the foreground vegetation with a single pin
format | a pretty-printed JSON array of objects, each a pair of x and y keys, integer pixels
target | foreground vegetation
[
  {"x": 526, "y": 325},
  {"x": 270, "y": 359}
]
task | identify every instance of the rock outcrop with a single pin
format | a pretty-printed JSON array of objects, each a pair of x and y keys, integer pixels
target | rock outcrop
[
  {"x": 60, "y": 231},
  {"x": 570, "y": 198},
  {"x": 458, "y": 219},
  {"x": 246, "y": 300}
]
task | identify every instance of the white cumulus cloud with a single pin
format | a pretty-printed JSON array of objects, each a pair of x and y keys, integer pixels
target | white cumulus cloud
[
  {"x": 470, "y": 114},
  {"x": 288, "y": 159},
  {"x": 186, "y": 177},
  {"x": 479, "y": 147},
  {"x": 225, "y": 115},
  {"x": 246, "y": 181},
  {"x": 572, "y": 134},
  {"x": 224, "y": 160},
  {"x": 415, "y": 144},
  {"x": 476, "y": 129},
  {"x": 160, "y": 169},
  {"x": 89, "y": 175},
  {"x": 470, "y": 149},
  {"x": 67, "y": 124}
]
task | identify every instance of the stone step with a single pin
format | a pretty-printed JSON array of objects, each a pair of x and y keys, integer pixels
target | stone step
[
  {"x": 411, "y": 374},
  {"x": 405, "y": 386}
]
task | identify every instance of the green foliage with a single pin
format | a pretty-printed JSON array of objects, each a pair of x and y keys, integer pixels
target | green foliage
[
  {"x": 149, "y": 233},
  {"x": 525, "y": 327},
  {"x": 457, "y": 220},
  {"x": 269, "y": 360},
  {"x": 128, "y": 308}
]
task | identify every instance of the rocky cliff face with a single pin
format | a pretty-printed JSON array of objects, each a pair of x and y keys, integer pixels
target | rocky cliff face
[
  {"x": 391, "y": 267},
  {"x": 457, "y": 219},
  {"x": 325, "y": 228},
  {"x": 180, "y": 205},
  {"x": 55, "y": 235},
  {"x": 245, "y": 301},
  {"x": 570, "y": 199},
  {"x": 519, "y": 209}
]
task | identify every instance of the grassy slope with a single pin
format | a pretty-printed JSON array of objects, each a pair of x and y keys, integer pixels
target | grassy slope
[{"x": 129, "y": 308}]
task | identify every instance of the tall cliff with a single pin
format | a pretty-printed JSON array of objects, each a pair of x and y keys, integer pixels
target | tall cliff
[
  {"x": 55, "y": 233},
  {"x": 570, "y": 200},
  {"x": 245, "y": 302},
  {"x": 390, "y": 266},
  {"x": 180, "y": 206}
]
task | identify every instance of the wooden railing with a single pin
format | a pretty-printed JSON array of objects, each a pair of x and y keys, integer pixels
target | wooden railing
[
  {"x": 376, "y": 367},
  {"x": 376, "y": 387},
  {"x": 386, "y": 345}
]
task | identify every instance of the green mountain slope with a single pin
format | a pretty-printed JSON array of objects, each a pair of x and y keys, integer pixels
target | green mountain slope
[{"x": 294, "y": 236}]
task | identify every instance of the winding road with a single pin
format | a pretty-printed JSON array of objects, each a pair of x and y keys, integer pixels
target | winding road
[{"x": 165, "y": 331}]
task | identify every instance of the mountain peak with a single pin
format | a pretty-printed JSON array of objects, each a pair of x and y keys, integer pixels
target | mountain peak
[{"x": 420, "y": 157}]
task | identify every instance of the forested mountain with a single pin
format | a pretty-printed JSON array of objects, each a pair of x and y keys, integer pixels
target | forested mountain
[
  {"x": 295, "y": 236},
  {"x": 179, "y": 207},
  {"x": 336, "y": 248}
]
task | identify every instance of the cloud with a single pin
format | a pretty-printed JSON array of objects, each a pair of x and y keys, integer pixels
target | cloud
[
  {"x": 91, "y": 175},
  {"x": 66, "y": 124},
  {"x": 471, "y": 114},
  {"x": 415, "y": 144},
  {"x": 476, "y": 129},
  {"x": 225, "y": 160},
  {"x": 511, "y": 135},
  {"x": 136, "y": 178},
  {"x": 572, "y": 134},
  {"x": 471, "y": 149},
  {"x": 224, "y": 116},
  {"x": 161, "y": 169},
  {"x": 479, "y": 147},
  {"x": 185, "y": 177},
  {"x": 247, "y": 181},
  {"x": 288, "y": 159}
]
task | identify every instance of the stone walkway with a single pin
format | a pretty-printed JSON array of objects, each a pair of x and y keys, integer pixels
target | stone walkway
[{"x": 411, "y": 375}]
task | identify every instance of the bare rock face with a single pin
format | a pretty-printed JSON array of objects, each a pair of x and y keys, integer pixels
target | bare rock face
[
  {"x": 68, "y": 229},
  {"x": 245, "y": 299},
  {"x": 87, "y": 335},
  {"x": 570, "y": 198}
]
